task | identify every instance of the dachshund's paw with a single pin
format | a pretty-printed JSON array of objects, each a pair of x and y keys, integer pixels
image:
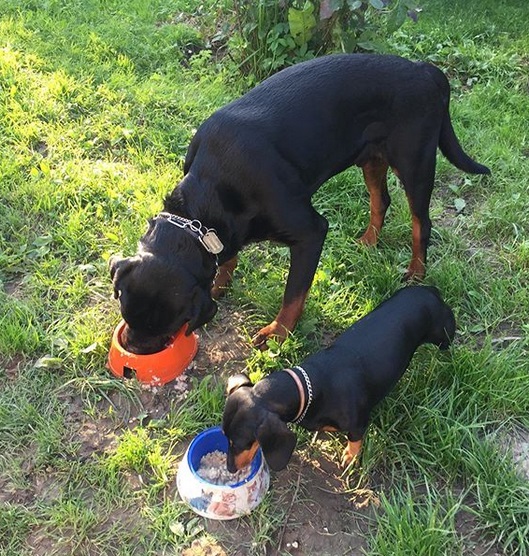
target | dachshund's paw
[
  {"x": 349, "y": 460},
  {"x": 350, "y": 455}
]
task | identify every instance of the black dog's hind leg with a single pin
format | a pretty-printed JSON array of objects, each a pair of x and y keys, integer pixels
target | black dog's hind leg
[
  {"x": 419, "y": 194},
  {"x": 414, "y": 164},
  {"x": 375, "y": 175}
]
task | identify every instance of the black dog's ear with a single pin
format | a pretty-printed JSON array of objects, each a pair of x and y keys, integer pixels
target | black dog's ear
[
  {"x": 203, "y": 309},
  {"x": 113, "y": 264},
  {"x": 237, "y": 381},
  {"x": 119, "y": 267},
  {"x": 276, "y": 440}
]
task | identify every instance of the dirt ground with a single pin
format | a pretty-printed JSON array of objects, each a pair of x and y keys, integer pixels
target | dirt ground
[{"x": 319, "y": 517}]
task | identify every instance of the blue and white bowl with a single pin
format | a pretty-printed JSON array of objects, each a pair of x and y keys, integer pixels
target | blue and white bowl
[{"x": 219, "y": 501}]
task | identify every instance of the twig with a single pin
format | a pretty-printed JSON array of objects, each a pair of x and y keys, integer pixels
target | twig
[
  {"x": 506, "y": 339},
  {"x": 283, "y": 529}
]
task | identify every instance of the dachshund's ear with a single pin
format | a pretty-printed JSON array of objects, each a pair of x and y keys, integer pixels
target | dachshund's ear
[
  {"x": 237, "y": 381},
  {"x": 119, "y": 267},
  {"x": 203, "y": 309},
  {"x": 276, "y": 440}
]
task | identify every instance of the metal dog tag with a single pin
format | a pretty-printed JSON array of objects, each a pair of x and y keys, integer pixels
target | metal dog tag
[{"x": 210, "y": 240}]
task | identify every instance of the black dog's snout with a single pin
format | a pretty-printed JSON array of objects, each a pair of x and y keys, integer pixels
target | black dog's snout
[{"x": 230, "y": 462}]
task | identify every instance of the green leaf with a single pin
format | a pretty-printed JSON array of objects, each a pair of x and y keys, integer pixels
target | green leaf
[
  {"x": 177, "y": 528},
  {"x": 354, "y": 4},
  {"x": 45, "y": 167},
  {"x": 329, "y": 7},
  {"x": 48, "y": 362},
  {"x": 112, "y": 236},
  {"x": 396, "y": 18},
  {"x": 302, "y": 23},
  {"x": 460, "y": 204},
  {"x": 377, "y": 4},
  {"x": 368, "y": 41}
]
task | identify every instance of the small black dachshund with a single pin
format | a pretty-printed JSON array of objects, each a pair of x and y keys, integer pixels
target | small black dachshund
[
  {"x": 250, "y": 173},
  {"x": 336, "y": 388}
]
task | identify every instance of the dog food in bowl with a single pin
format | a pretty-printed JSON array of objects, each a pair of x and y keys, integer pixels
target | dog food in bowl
[
  {"x": 213, "y": 469},
  {"x": 207, "y": 486}
]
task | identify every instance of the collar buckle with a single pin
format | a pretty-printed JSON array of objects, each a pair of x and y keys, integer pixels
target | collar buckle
[{"x": 207, "y": 237}]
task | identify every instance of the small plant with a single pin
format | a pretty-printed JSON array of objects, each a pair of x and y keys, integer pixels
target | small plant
[
  {"x": 272, "y": 34},
  {"x": 133, "y": 451}
]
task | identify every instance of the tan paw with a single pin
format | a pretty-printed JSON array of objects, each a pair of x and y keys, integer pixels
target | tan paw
[
  {"x": 369, "y": 238},
  {"x": 351, "y": 453},
  {"x": 273, "y": 330}
]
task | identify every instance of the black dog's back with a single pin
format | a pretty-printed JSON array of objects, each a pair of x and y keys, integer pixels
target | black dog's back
[
  {"x": 360, "y": 97},
  {"x": 318, "y": 96}
]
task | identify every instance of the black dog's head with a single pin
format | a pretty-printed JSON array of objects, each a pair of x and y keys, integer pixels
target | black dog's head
[
  {"x": 165, "y": 285},
  {"x": 248, "y": 424}
]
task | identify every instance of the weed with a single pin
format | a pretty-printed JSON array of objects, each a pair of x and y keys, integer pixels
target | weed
[{"x": 272, "y": 35}]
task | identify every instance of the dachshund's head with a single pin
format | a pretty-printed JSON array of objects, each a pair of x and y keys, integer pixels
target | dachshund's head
[{"x": 248, "y": 425}]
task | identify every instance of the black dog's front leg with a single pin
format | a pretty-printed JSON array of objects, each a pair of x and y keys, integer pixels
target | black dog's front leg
[{"x": 304, "y": 257}]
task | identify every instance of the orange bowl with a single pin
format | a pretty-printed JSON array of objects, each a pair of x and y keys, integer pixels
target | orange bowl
[{"x": 155, "y": 368}]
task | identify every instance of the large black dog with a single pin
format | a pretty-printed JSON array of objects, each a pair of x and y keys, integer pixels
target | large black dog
[{"x": 252, "y": 168}]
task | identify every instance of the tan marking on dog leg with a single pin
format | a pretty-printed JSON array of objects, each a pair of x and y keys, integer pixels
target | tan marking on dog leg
[
  {"x": 375, "y": 176},
  {"x": 350, "y": 454},
  {"x": 223, "y": 278},
  {"x": 417, "y": 267},
  {"x": 282, "y": 325}
]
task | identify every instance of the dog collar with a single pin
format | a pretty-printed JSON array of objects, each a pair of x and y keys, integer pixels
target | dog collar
[
  {"x": 303, "y": 407},
  {"x": 206, "y": 236}
]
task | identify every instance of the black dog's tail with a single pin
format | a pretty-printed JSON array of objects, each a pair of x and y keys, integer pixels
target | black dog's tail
[
  {"x": 448, "y": 141},
  {"x": 450, "y": 147}
]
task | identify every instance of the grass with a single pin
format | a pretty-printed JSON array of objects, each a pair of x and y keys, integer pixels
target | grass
[{"x": 98, "y": 102}]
